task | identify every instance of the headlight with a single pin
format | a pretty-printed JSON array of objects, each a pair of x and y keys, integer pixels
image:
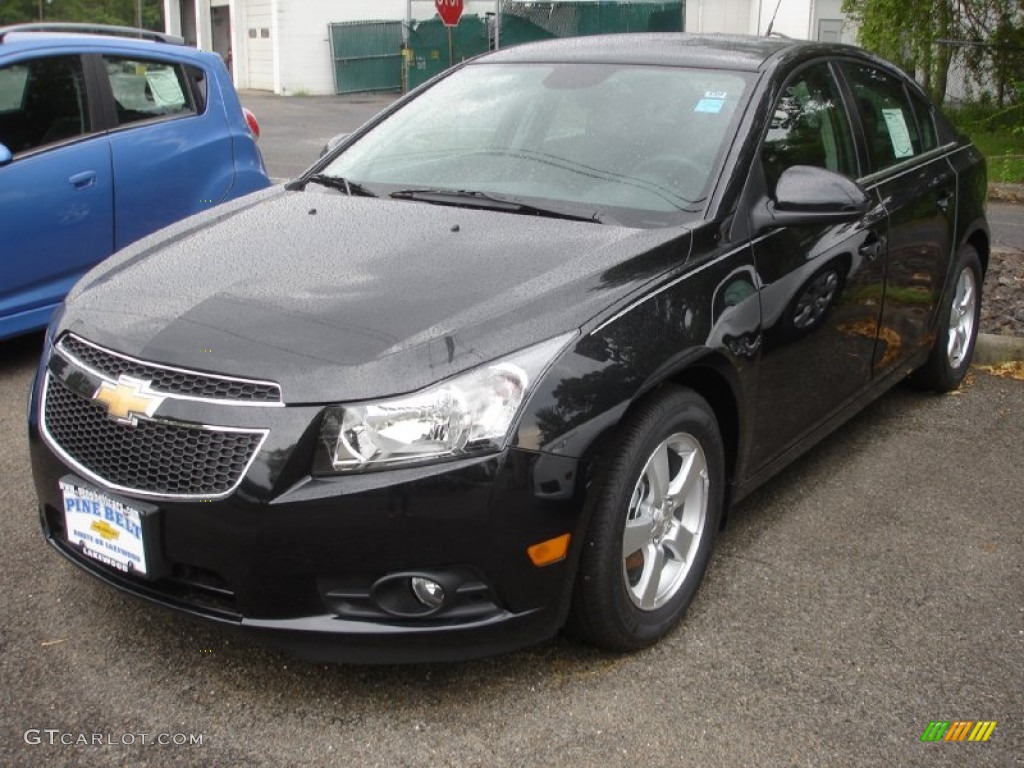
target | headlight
[{"x": 464, "y": 415}]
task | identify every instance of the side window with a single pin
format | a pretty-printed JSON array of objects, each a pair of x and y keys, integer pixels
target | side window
[
  {"x": 925, "y": 123},
  {"x": 42, "y": 101},
  {"x": 144, "y": 90},
  {"x": 890, "y": 126},
  {"x": 197, "y": 77},
  {"x": 809, "y": 126}
]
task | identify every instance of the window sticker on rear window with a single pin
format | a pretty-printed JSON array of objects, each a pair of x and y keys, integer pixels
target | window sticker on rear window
[{"x": 899, "y": 135}]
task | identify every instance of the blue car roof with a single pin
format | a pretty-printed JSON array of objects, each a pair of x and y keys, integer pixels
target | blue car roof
[{"x": 22, "y": 38}]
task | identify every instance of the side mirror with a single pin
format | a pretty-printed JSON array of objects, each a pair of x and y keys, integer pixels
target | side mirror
[
  {"x": 5, "y": 155},
  {"x": 807, "y": 196},
  {"x": 332, "y": 143}
]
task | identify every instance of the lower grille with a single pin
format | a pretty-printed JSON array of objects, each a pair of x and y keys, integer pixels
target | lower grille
[{"x": 155, "y": 457}]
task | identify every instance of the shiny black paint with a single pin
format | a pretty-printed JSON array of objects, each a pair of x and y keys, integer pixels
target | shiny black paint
[{"x": 711, "y": 306}]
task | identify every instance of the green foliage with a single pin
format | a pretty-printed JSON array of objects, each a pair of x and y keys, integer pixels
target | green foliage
[
  {"x": 999, "y": 133},
  {"x": 922, "y": 36},
  {"x": 122, "y": 12}
]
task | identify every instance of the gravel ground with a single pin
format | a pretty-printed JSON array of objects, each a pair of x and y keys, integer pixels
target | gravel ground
[{"x": 1002, "y": 306}]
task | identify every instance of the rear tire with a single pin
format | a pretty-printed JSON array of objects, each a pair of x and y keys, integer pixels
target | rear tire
[
  {"x": 654, "y": 509},
  {"x": 957, "y": 330}
]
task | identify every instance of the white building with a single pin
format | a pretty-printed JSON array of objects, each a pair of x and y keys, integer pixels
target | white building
[
  {"x": 283, "y": 45},
  {"x": 801, "y": 19}
]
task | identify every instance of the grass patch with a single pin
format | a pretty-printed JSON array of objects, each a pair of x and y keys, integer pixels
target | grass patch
[{"x": 999, "y": 133}]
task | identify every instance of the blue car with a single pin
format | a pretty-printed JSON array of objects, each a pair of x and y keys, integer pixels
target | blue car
[{"x": 104, "y": 139}]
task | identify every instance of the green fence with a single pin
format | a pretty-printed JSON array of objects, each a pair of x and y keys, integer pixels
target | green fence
[
  {"x": 367, "y": 56},
  {"x": 429, "y": 52},
  {"x": 523, "y": 22}
]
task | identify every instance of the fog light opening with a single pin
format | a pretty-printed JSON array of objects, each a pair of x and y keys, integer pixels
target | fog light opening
[{"x": 427, "y": 591}]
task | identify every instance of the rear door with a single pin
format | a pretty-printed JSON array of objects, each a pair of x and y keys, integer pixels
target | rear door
[
  {"x": 917, "y": 185},
  {"x": 171, "y": 154},
  {"x": 56, "y": 195}
]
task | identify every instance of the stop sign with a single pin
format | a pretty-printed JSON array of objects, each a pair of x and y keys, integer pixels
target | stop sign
[{"x": 450, "y": 11}]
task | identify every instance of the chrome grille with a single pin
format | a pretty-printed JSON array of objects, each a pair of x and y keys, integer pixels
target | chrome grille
[
  {"x": 168, "y": 380},
  {"x": 155, "y": 457}
]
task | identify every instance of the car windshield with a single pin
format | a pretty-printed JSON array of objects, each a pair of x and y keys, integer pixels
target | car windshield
[{"x": 634, "y": 145}]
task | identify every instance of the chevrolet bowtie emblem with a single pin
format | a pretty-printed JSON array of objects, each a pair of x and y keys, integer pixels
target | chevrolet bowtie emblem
[{"x": 127, "y": 399}]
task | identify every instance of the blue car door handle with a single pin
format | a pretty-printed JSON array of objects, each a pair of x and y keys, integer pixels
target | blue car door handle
[{"x": 83, "y": 180}]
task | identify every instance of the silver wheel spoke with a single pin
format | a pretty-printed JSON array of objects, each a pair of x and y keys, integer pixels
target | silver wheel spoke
[
  {"x": 679, "y": 542},
  {"x": 692, "y": 480},
  {"x": 658, "y": 475},
  {"x": 650, "y": 580},
  {"x": 637, "y": 535}
]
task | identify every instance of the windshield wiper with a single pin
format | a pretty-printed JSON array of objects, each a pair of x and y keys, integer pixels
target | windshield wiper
[
  {"x": 338, "y": 182},
  {"x": 471, "y": 198}
]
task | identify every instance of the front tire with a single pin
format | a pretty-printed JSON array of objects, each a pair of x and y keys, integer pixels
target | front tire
[
  {"x": 655, "y": 508},
  {"x": 957, "y": 330}
]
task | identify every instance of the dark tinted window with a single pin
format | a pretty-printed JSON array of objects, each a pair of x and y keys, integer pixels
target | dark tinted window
[
  {"x": 809, "y": 126},
  {"x": 42, "y": 101},
  {"x": 144, "y": 90},
  {"x": 925, "y": 122},
  {"x": 890, "y": 126},
  {"x": 197, "y": 78}
]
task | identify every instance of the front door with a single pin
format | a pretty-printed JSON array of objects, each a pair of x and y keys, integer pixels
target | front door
[
  {"x": 56, "y": 195},
  {"x": 821, "y": 286}
]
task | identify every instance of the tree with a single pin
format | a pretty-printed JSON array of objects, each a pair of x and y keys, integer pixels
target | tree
[
  {"x": 121, "y": 12},
  {"x": 922, "y": 37}
]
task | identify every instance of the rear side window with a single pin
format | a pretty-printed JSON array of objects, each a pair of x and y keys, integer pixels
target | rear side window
[
  {"x": 925, "y": 123},
  {"x": 197, "y": 79},
  {"x": 42, "y": 102},
  {"x": 144, "y": 90},
  {"x": 890, "y": 125}
]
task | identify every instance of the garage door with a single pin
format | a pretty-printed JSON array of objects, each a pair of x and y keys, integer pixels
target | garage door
[{"x": 260, "y": 45}]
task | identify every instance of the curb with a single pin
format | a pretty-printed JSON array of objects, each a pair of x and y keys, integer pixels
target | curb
[{"x": 993, "y": 349}]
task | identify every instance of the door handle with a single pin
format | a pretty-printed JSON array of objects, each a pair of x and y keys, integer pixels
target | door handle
[
  {"x": 872, "y": 247},
  {"x": 944, "y": 201},
  {"x": 83, "y": 180}
]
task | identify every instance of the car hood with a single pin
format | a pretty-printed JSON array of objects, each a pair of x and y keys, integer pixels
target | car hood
[{"x": 344, "y": 298}]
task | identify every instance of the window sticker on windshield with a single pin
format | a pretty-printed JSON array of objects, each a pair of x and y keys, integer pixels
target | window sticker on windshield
[
  {"x": 710, "y": 105},
  {"x": 898, "y": 133}
]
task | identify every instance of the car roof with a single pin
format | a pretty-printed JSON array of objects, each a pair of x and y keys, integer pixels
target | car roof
[
  {"x": 85, "y": 37},
  {"x": 736, "y": 52}
]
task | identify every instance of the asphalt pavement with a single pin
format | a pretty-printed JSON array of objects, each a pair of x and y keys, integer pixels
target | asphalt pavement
[{"x": 874, "y": 587}]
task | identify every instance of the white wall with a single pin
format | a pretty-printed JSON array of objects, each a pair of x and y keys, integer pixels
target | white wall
[
  {"x": 728, "y": 17},
  {"x": 795, "y": 18}
]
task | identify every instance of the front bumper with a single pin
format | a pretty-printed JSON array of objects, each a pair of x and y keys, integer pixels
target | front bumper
[{"x": 296, "y": 558}]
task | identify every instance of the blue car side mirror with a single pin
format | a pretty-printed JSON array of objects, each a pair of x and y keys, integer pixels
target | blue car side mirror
[{"x": 5, "y": 155}]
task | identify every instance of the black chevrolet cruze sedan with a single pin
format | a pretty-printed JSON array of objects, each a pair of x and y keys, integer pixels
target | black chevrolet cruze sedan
[{"x": 500, "y": 361}]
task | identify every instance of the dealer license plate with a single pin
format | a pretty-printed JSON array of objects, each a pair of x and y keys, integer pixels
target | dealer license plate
[{"x": 103, "y": 528}]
